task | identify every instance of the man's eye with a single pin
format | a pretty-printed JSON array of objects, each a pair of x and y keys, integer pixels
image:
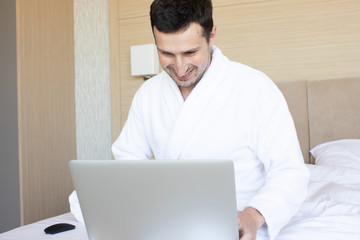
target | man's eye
[
  {"x": 190, "y": 53},
  {"x": 167, "y": 54}
]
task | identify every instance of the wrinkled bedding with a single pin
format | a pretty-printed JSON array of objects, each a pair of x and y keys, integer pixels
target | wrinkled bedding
[
  {"x": 330, "y": 212},
  {"x": 332, "y": 207}
]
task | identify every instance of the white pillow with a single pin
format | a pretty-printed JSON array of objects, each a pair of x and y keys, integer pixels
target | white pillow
[{"x": 344, "y": 153}]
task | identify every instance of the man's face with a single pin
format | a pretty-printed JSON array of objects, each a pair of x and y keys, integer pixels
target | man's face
[{"x": 185, "y": 55}]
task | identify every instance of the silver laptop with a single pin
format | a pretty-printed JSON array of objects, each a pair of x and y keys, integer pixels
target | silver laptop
[{"x": 157, "y": 200}]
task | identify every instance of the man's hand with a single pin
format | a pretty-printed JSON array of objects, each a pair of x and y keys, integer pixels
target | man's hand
[{"x": 249, "y": 220}]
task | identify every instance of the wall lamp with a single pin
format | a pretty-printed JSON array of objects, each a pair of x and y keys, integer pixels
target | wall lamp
[{"x": 144, "y": 60}]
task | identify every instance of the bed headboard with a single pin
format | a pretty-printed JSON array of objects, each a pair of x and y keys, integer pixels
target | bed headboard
[{"x": 323, "y": 110}]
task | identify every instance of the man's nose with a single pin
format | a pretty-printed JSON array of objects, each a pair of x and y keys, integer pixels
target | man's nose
[{"x": 180, "y": 66}]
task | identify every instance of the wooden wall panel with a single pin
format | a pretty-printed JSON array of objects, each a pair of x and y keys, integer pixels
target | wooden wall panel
[
  {"x": 46, "y": 106},
  {"x": 288, "y": 40},
  {"x": 115, "y": 86},
  {"x": 134, "y": 9},
  {"x": 142, "y": 35},
  {"x": 293, "y": 41}
]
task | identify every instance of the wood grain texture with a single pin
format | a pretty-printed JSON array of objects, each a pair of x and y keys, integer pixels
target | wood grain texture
[
  {"x": 46, "y": 106},
  {"x": 287, "y": 40},
  {"x": 129, "y": 37}
]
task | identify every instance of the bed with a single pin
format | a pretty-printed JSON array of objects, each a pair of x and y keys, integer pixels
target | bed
[{"x": 327, "y": 118}]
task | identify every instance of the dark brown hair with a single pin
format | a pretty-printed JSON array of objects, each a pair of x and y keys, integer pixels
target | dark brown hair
[{"x": 170, "y": 16}]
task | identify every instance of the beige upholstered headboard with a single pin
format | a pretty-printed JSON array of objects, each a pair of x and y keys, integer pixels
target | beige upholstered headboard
[{"x": 323, "y": 110}]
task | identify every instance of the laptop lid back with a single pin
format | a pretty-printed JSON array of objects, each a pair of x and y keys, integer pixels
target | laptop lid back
[{"x": 157, "y": 200}]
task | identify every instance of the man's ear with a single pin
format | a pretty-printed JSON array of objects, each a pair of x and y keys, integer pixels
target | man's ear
[
  {"x": 212, "y": 36},
  {"x": 153, "y": 32}
]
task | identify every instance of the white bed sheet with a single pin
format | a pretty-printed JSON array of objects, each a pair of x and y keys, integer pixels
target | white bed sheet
[
  {"x": 330, "y": 212},
  {"x": 332, "y": 208},
  {"x": 35, "y": 231}
]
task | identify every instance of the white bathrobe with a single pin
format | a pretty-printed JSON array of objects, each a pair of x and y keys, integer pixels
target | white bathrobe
[{"x": 234, "y": 112}]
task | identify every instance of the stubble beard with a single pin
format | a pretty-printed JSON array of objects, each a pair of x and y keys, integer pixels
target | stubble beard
[{"x": 185, "y": 84}]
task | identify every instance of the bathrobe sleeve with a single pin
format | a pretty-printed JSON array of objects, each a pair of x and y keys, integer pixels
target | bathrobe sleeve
[
  {"x": 132, "y": 142},
  {"x": 276, "y": 145}
]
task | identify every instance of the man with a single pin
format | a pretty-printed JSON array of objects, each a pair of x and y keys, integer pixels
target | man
[{"x": 206, "y": 106}]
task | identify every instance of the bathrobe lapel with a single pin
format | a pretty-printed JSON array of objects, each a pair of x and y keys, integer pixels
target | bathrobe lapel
[{"x": 194, "y": 109}]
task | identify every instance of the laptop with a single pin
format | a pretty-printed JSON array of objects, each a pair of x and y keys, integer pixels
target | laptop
[{"x": 157, "y": 199}]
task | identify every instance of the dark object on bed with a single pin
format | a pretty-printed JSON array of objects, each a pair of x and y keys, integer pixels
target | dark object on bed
[{"x": 58, "y": 228}]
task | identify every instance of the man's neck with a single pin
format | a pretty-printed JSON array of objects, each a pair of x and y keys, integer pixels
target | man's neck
[{"x": 185, "y": 92}]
